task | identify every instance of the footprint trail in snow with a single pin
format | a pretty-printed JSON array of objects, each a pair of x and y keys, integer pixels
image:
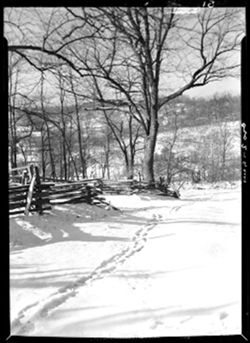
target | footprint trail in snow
[{"x": 25, "y": 322}]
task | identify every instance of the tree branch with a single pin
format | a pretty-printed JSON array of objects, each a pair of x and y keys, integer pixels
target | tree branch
[{"x": 16, "y": 48}]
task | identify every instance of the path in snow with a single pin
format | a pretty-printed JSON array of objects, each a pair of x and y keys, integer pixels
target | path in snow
[
  {"x": 184, "y": 281},
  {"x": 25, "y": 322}
]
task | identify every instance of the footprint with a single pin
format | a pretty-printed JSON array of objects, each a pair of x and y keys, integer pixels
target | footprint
[
  {"x": 223, "y": 315},
  {"x": 156, "y": 323}
]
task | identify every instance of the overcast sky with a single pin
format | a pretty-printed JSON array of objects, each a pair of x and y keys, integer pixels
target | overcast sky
[{"x": 230, "y": 85}]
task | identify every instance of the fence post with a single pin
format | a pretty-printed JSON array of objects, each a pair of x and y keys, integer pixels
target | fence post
[
  {"x": 30, "y": 194},
  {"x": 88, "y": 191},
  {"x": 39, "y": 207}
]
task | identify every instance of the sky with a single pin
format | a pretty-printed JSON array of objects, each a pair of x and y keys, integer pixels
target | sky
[{"x": 229, "y": 85}]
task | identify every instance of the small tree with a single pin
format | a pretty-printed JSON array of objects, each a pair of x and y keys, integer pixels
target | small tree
[{"x": 167, "y": 163}]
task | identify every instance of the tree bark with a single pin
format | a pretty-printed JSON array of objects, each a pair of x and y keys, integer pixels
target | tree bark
[
  {"x": 149, "y": 149},
  {"x": 130, "y": 168}
]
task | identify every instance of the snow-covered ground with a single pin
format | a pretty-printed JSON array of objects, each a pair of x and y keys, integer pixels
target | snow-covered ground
[{"x": 161, "y": 267}]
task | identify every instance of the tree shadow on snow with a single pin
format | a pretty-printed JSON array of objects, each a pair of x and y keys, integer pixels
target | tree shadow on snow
[
  {"x": 69, "y": 228},
  {"x": 21, "y": 238},
  {"x": 141, "y": 315},
  {"x": 51, "y": 280}
]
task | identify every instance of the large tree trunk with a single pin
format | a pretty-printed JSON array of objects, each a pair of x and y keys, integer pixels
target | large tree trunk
[
  {"x": 149, "y": 149},
  {"x": 152, "y": 131},
  {"x": 129, "y": 162},
  {"x": 130, "y": 169},
  {"x": 148, "y": 162}
]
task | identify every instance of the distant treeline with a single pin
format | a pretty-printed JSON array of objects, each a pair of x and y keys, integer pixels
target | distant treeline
[
  {"x": 74, "y": 142},
  {"x": 201, "y": 111}
]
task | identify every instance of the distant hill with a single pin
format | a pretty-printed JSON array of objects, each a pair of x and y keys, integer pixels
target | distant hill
[{"x": 192, "y": 112}]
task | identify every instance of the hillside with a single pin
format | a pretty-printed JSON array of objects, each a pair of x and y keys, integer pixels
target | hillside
[
  {"x": 214, "y": 149},
  {"x": 191, "y": 138},
  {"x": 193, "y": 112},
  {"x": 202, "y": 127}
]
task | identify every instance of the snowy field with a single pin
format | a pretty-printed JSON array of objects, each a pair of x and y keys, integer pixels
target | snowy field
[{"x": 160, "y": 267}]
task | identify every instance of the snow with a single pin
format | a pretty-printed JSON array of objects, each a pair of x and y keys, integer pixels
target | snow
[{"x": 160, "y": 267}]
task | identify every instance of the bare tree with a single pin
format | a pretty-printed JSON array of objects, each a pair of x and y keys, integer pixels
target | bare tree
[
  {"x": 48, "y": 133},
  {"x": 13, "y": 139},
  {"x": 114, "y": 43},
  {"x": 168, "y": 164},
  {"x": 65, "y": 128},
  {"x": 148, "y": 42},
  {"x": 221, "y": 110},
  {"x": 20, "y": 127},
  {"x": 101, "y": 152},
  {"x": 127, "y": 134},
  {"x": 82, "y": 152}
]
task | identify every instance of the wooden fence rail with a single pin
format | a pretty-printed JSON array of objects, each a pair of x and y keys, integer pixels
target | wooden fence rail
[
  {"x": 39, "y": 196},
  {"x": 134, "y": 186},
  {"x": 25, "y": 198},
  {"x": 18, "y": 199},
  {"x": 122, "y": 186}
]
